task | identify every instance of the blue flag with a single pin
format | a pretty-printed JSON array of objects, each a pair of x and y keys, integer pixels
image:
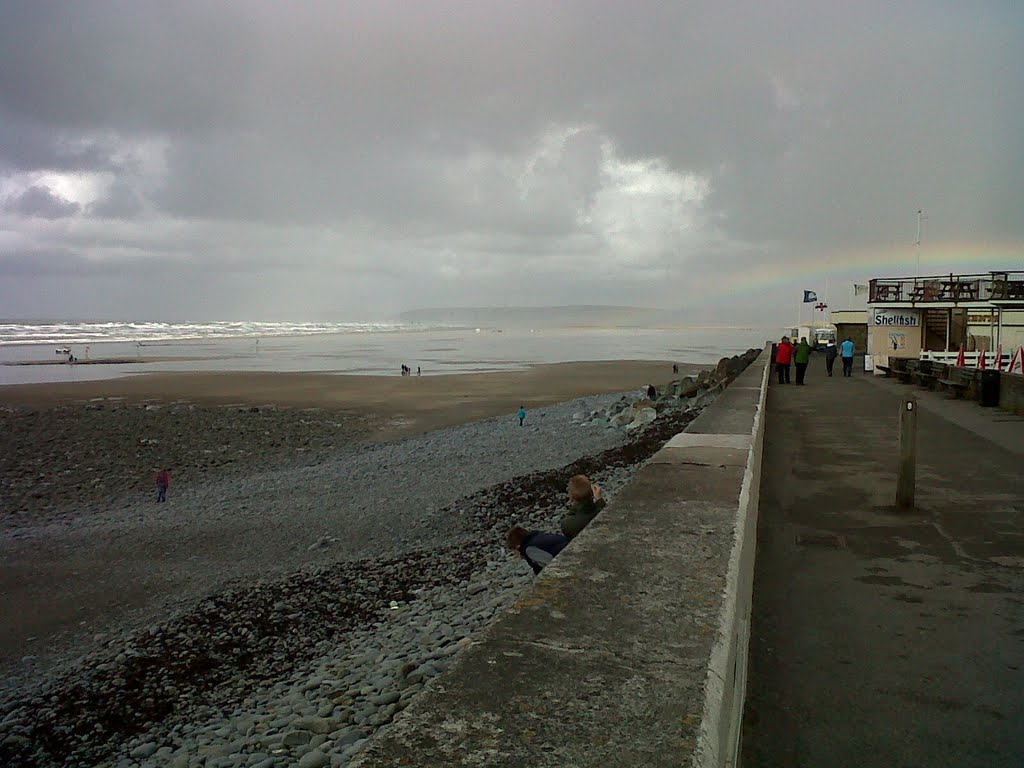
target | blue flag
[{"x": 810, "y": 296}]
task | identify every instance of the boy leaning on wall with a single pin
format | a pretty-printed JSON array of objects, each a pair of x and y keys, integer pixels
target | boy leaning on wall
[{"x": 585, "y": 502}]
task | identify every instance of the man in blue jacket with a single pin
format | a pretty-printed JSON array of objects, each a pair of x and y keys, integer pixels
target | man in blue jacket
[
  {"x": 536, "y": 547},
  {"x": 847, "y": 352}
]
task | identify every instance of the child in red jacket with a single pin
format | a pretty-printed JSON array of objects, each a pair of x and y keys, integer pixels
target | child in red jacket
[{"x": 163, "y": 482}]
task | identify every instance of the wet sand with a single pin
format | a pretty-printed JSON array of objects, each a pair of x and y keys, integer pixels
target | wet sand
[{"x": 400, "y": 405}]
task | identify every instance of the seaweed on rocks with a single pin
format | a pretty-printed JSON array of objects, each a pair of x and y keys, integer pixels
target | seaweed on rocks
[
  {"x": 213, "y": 656},
  {"x": 503, "y": 503},
  {"x": 262, "y": 630}
]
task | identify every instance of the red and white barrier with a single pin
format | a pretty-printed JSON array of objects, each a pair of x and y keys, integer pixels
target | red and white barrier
[{"x": 1017, "y": 361}]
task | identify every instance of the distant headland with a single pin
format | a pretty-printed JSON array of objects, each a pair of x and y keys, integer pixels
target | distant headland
[{"x": 581, "y": 316}]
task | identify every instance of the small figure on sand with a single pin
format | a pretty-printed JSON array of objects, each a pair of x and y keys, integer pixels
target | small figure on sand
[
  {"x": 652, "y": 393},
  {"x": 163, "y": 482},
  {"x": 536, "y": 547},
  {"x": 521, "y": 415},
  {"x": 585, "y": 501},
  {"x": 675, "y": 368},
  {"x": 418, "y": 371}
]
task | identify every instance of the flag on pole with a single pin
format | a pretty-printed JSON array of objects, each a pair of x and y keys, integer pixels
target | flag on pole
[
  {"x": 860, "y": 289},
  {"x": 981, "y": 360},
  {"x": 961, "y": 359},
  {"x": 810, "y": 296},
  {"x": 1017, "y": 363}
]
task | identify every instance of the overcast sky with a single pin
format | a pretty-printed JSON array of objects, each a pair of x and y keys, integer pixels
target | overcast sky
[{"x": 307, "y": 160}]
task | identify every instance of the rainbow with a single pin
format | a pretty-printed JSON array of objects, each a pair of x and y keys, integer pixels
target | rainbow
[{"x": 834, "y": 272}]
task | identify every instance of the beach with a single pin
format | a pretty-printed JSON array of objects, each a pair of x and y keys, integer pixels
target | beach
[
  {"x": 277, "y": 477},
  {"x": 87, "y": 442}
]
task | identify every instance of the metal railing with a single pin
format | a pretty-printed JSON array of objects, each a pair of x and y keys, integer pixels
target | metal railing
[{"x": 957, "y": 289}]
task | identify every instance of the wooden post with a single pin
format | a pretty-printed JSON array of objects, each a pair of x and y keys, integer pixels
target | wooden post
[{"x": 908, "y": 455}]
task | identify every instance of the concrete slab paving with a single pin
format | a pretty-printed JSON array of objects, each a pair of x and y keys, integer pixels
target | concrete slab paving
[{"x": 880, "y": 639}]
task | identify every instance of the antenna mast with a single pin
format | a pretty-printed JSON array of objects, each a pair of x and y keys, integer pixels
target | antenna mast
[{"x": 917, "y": 242}]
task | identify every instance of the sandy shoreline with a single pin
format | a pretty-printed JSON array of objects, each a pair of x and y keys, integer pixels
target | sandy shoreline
[
  {"x": 76, "y": 447},
  {"x": 401, "y": 405}
]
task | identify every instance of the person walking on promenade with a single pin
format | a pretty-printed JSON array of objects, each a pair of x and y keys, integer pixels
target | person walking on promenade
[
  {"x": 521, "y": 415},
  {"x": 847, "y": 352},
  {"x": 783, "y": 357},
  {"x": 163, "y": 482},
  {"x": 535, "y": 547},
  {"x": 585, "y": 502},
  {"x": 831, "y": 353},
  {"x": 802, "y": 356}
]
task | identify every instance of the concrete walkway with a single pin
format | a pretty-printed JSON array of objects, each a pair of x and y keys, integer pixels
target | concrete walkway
[{"x": 880, "y": 639}]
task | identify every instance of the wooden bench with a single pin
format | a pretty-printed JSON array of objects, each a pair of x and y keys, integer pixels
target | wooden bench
[
  {"x": 910, "y": 372},
  {"x": 957, "y": 381},
  {"x": 926, "y": 374},
  {"x": 922, "y": 379}
]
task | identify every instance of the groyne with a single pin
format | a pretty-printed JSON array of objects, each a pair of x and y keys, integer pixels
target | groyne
[{"x": 630, "y": 649}]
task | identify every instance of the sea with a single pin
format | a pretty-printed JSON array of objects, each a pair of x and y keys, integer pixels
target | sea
[{"x": 38, "y": 352}]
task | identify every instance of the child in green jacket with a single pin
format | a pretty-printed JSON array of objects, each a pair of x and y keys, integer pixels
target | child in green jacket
[{"x": 584, "y": 503}]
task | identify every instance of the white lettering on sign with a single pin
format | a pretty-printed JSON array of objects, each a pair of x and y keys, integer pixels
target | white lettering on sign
[{"x": 902, "y": 318}]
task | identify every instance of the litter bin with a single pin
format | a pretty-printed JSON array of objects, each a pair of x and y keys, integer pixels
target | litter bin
[{"x": 989, "y": 389}]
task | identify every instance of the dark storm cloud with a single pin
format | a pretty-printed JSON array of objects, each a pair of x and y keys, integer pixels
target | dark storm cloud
[
  {"x": 40, "y": 201},
  {"x": 443, "y": 141}
]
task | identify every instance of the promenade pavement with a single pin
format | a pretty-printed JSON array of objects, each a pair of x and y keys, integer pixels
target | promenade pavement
[{"x": 884, "y": 639}]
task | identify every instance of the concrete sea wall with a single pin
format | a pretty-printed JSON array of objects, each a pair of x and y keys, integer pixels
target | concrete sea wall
[
  {"x": 1011, "y": 392},
  {"x": 630, "y": 648}
]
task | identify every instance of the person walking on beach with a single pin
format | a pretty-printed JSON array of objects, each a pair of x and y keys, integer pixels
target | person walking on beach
[
  {"x": 163, "y": 482},
  {"x": 521, "y": 415},
  {"x": 585, "y": 502},
  {"x": 652, "y": 393},
  {"x": 802, "y": 356},
  {"x": 847, "y": 352},
  {"x": 783, "y": 357},
  {"x": 535, "y": 547},
  {"x": 831, "y": 353}
]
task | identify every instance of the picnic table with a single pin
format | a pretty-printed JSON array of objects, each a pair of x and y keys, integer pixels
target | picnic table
[
  {"x": 887, "y": 292},
  {"x": 958, "y": 290},
  {"x": 1008, "y": 289},
  {"x": 925, "y": 292}
]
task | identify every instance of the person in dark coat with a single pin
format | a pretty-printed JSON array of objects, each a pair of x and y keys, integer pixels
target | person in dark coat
[
  {"x": 585, "y": 501},
  {"x": 831, "y": 353},
  {"x": 536, "y": 547}
]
